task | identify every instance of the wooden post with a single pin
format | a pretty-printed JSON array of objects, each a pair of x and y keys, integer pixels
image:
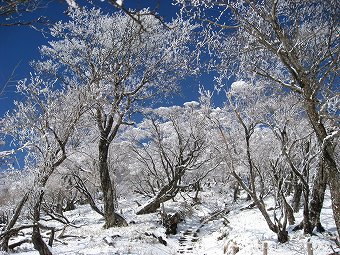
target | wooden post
[
  {"x": 265, "y": 248},
  {"x": 309, "y": 248}
]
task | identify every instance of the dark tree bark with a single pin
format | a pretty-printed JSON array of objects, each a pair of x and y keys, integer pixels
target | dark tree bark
[
  {"x": 236, "y": 191},
  {"x": 170, "y": 222},
  {"x": 106, "y": 185},
  {"x": 69, "y": 205},
  {"x": 168, "y": 192},
  {"x": 37, "y": 240},
  {"x": 11, "y": 223},
  {"x": 296, "y": 203},
  {"x": 334, "y": 184},
  {"x": 288, "y": 211},
  {"x": 197, "y": 188},
  {"x": 327, "y": 153},
  {"x": 317, "y": 198},
  {"x": 59, "y": 206},
  {"x": 289, "y": 185},
  {"x": 307, "y": 226},
  {"x": 108, "y": 130}
]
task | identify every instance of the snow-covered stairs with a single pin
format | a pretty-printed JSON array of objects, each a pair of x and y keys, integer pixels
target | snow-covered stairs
[{"x": 187, "y": 240}]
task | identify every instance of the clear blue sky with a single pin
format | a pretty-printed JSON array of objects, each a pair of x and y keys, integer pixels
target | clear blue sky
[{"x": 18, "y": 46}]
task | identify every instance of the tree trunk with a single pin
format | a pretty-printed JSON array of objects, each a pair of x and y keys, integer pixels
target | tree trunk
[
  {"x": 59, "y": 206},
  {"x": 168, "y": 192},
  {"x": 11, "y": 223},
  {"x": 39, "y": 243},
  {"x": 106, "y": 184},
  {"x": 334, "y": 184},
  {"x": 236, "y": 191},
  {"x": 288, "y": 211},
  {"x": 317, "y": 198},
  {"x": 297, "y": 196},
  {"x": 197, "y": 188},
  {"x": 290, "y": 184},
  {"x": 326, "y": 146},
  {"x": 282, "y": 236},
  {"x": 69, "y": 205},
  {"x": 37, "y": 240},
  {"x": 307, "y": 226},
  {"x": 150, "y": 207}
]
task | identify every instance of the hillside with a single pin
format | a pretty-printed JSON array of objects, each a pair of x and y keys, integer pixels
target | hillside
[{"x": 208, "y": 228}]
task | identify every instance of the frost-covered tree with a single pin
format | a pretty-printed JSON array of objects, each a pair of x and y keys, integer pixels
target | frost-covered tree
[
  {"x": 298, "y": 147},
  {"x": 293, "y": 44},
  {"x": 171, "y": 152},
  {"x": 244, "y": 144},
  {"x": 121, "y": 66},
  {"x": 44, "y": 123}
]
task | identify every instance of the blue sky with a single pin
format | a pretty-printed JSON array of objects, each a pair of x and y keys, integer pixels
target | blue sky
[{"x": 19, "y": 45}]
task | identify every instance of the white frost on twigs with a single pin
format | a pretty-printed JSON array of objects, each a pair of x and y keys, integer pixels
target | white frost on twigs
[
  {"x": 72, "y": 4},
  {"x": 191, "y": 104},
  {"x": 239, "y": 86},
  {"x": 4, "y": 154},
  {"x": 334, "y": 134},
  {"x": 119, "y": 2}
]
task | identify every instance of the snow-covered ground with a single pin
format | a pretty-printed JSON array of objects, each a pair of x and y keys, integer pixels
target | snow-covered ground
[{"x": 199, "y": 234}]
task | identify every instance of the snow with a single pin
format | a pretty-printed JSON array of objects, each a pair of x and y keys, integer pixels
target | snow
[
  {"x": 6, "y": 153},
  {"x": 198, "y": 234},
  {"x": 239, "y": 86},
  {"x": 191, "y": 104},
  {"x": 72, "y": 3},
  {"x": 119, "y": 2}
]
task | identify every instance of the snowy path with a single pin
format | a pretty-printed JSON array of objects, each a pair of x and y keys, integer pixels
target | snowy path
[{"x": 187, "y": 241}]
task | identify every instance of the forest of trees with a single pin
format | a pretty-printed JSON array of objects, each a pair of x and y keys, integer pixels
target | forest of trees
[{"x": 89, "y": 113}]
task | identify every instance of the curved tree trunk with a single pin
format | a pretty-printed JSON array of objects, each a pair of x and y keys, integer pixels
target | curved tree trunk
[
  {"x": 282, "y": 234},
  {"x": 168, "y": 192}
]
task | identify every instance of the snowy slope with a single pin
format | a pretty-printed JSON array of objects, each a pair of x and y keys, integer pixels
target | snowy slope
[{"x": 199, "y": 234}]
